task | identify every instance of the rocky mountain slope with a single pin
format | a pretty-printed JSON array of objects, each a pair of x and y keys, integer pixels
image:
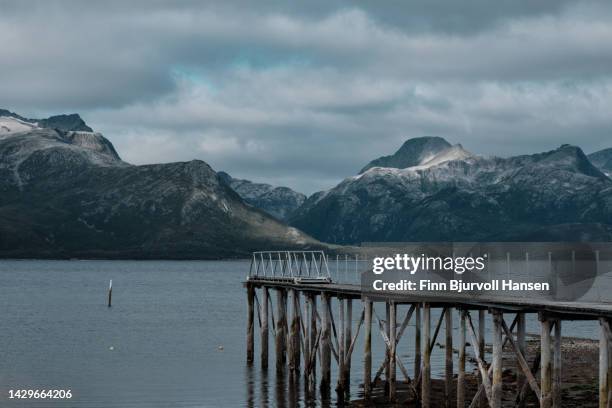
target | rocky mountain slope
[
  {"x": 602, "y": 160},
  {"x": 432, "y": 191},
  {"x": 65, "y": 192},
  {"x": 279, "y": 202}
]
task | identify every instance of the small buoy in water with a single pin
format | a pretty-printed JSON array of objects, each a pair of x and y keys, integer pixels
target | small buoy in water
[
  {"x": 220, "y": 348},
  {"x": 111, "y": 348}
]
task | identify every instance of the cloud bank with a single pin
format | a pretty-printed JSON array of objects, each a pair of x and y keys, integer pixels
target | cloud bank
[{"x": 306, "y": 95}]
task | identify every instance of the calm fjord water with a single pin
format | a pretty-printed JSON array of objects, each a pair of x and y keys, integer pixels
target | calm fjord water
[{"x": 165, "y": 327}]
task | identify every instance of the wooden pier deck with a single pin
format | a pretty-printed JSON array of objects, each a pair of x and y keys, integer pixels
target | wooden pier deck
[{"x": 309, "y": 337}]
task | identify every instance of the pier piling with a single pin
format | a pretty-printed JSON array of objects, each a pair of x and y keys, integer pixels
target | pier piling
[{"x": 312, "y": 334}]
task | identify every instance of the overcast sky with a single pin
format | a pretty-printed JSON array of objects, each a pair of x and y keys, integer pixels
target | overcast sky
[{"x": 306, "y": 95}]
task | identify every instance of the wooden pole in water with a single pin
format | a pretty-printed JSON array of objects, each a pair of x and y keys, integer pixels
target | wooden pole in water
[
  {"x": 522, "y": 346},
  {"x": 545, "y": 363},
  {"x": 326, "y": 343},
  {"x": 481, "y": 347},
  {"x": 426, "y": 377},
  {"x": 294, "y": 335},
  {"x": 388, "y": 360},
  {"x": 448, "y": 377},
  {"x": 264, "y": 328},
  {"x": 461, "y": 369},
  {"x": 604, "y": 363},
  {"x": 417, "y": 341},
  {"x": 392, "y": 350},
  {"x": 496, "y": 388},
  {"x": 341, "y": 350},
  {"x": 556, "y": 390},
  {"x": 110, "y": 293},
  {"x": 348, "y": 337},
  {"x": 313, "y": 332},
  {"x": 250, "y": 322},
  {"x": 367, "y": 350},
  {"x": 281, "y": 329},
  {"x": 308, "y": 331}
]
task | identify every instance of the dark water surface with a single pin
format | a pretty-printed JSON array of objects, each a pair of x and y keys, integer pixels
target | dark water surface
[{"x": 158, "y": 346}]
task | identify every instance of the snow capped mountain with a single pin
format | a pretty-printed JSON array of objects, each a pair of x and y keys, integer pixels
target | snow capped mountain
[
  {"x": 453, "y": 195},
  {"x": 65, "y": 192},
  {"x": 413, "y": 152},
  {"x": 279, "y": 202}
]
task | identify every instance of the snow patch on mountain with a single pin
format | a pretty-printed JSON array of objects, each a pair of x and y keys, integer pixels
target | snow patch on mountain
[{"x": 10, "y": 125}]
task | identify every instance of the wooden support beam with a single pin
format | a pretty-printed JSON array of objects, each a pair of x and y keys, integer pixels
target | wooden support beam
[
  {"x": 264, "y": 328},
  {"x": 432, "y": 343},
  {"x": 481, "y": 347},
  {"x": 522, "y": 395},
  {"x": 476, "y": 343},
  {"x": 417, "y": 341},
  {"x": 461, "y": 369},
  {"x": 326, "y": 343},
  {"x": 545, "y": 363},
  {"x": 522, "y": 361},
  {"x": 307, "y": 330},
  {"x": 392, "y": 350},
  {"x": 349, "y": 352},
  {"x": 605, "y": 372},
  {"x": 448, "y": 372},
  {"x": 480, "y": 393},
  {"x": 367, "y": 350},
  {"x": 312, "y": 330},
  {"x": 426, "y": 371},
  {"x": 250, "y": 336},
  {"x": 387, "y": 358},
  {"x": 496, "y": 386},
  {"x": 348, "y": 336},
  {"x": 298, "y": 344},
  {"x": 280, "y": 340},
  {"x": 294, "y": 333},
  {"x": 556, "y": 387},
  {"x": 341, "y": 360},
  {"x": 521, "y": 341}
]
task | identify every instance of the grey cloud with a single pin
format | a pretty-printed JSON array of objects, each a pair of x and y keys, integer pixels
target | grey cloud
[{"x": 306, "y": 93}]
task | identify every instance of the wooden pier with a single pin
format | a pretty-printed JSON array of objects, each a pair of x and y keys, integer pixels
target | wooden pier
[{"x": 307, "y": 336}]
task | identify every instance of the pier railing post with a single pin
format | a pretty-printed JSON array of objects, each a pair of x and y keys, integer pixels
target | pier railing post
[
  {"x": 545, "y": 363},
  {"x": 496, "y": 384},
  {"x": 326, "y": 343},
  {"x": 264, "y": 328},
  {"x": 448, "y": 373},
  {"x": 367, "y": 350},
  {"x": 426, "y": 377},
  {"x": 250, "y": 337},
  {"x": 461, "y": 369}
]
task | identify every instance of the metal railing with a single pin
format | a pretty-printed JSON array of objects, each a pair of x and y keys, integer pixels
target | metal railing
[{"x": 301, "y": 265}]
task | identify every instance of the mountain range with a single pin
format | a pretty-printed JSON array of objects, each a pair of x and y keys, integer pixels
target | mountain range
[
  {"x": 430, "y": 190},
  {"x": 280, "y": 202},
  {"x": 65, "y": 192}
]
